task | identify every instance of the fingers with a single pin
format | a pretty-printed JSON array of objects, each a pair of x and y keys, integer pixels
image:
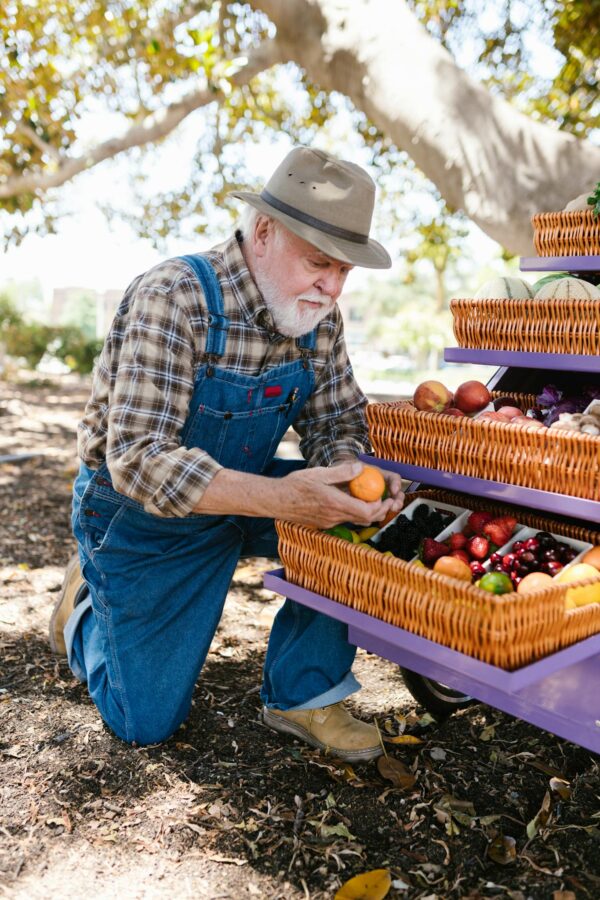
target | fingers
[{"x": 342, "y": 473}]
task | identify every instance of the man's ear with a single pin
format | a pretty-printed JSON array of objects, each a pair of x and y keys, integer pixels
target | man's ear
[{"x": 263, "y": 232}]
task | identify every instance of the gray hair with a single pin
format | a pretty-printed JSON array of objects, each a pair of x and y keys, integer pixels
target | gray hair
[{"x": 248, "y": 217}]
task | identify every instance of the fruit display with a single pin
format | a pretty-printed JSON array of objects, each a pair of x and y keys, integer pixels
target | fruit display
[
  {"x": 475, "y": 537},
  {"x": 533, "y": 552},
  {"x": 404, "y": 535}
]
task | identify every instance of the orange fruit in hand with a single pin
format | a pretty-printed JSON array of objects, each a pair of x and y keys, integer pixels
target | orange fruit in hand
[
  {"x": 369, "y": 485},
  {"x": 453, "y": 567}
]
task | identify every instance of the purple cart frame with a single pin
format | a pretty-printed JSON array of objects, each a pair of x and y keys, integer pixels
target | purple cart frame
[{"x": 558, "y": 693}]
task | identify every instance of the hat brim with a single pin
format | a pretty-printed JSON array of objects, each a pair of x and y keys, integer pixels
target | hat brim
[{"x": 370, "y": 255}]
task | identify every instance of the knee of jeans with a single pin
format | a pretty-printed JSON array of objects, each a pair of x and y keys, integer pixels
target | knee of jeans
[{"x": 153, "y": 728}]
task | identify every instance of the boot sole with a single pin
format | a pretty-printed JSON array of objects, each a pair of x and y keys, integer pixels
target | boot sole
[
  {"x": 278, "y": 723},
  {"x": 71, "y": 572}
]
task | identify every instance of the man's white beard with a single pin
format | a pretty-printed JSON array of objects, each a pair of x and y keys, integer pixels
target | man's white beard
[{"x": 289, "y": 317}]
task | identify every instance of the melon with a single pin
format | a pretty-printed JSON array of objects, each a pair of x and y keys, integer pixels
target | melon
[
  {"x": 580, "y": 203},
  {"x": 547, "y": 279},
  {"x": 568, "y": 289},
  {"x": 505, "y": 288}
]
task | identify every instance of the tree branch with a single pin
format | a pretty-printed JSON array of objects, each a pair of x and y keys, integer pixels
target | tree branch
[
  {"x": 485, "y": 157},
  {"x": 150, "y": 129}
]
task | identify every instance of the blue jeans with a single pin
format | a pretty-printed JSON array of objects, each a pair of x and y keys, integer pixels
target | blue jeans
[{"x": 157, "y": 588}]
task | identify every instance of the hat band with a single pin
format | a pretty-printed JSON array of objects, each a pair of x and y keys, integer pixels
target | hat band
[{"x": 333, "y": 230}]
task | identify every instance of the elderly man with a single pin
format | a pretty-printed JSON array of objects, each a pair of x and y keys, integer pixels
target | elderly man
[{"x": 208, "y": 362}]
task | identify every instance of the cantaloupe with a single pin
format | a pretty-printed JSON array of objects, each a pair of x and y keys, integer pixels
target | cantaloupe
[
  {"x": 568, "y": 289},
  {"x": 505, "y": 288}
]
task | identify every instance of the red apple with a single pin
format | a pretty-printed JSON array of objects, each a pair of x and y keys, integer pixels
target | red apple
[
  {"x": 510, "y": 412},
  {"x": 432, "y": 396},
  {"x": 526, "y": 422},
  {"x": 491, "y": 417},
  {"x": 453, "y": 411},
  {"x": 472, "y": 396}
]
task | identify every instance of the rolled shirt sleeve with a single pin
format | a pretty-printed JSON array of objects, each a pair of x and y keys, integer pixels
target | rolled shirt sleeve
[{"x": 149, "y": 403}]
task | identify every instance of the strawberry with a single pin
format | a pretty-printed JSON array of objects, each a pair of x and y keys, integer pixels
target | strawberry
[
  {"x": 478, "y": 547},
  {"x": 457, "y": 541},
  {"x": 477, "y": 520},
  {"x": 499, "y": 530},
  {"x": 461, "y": 554},
  {"x": 430, "y": 550}
]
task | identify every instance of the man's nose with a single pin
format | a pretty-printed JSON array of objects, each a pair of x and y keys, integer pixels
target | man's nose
[{"x": 331, "y": 283}]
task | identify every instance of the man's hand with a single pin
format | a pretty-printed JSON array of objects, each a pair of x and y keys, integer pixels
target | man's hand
[{"x": 318, "y": 497}]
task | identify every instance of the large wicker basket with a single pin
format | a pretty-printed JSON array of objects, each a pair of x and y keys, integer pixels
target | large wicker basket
[
  {"x": 508, "y": 631},
  {"x": 566, "y": 233},
  {"x": 534, "y": 326},
  {"x": 563, "y": 462}
]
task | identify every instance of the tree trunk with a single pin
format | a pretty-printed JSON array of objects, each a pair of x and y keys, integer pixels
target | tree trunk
[{"x": 485, "y": 157}]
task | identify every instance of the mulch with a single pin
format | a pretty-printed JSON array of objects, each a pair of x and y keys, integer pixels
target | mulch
[{"x": 226, "y": 808}]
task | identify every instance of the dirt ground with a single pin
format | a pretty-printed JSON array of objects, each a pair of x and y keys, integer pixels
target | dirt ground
[{"x": 227, "y": 808}]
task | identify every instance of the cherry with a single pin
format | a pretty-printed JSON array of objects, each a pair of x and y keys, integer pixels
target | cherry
[
  {"x": 477, "y": 568},
  {"x": 532, "y": 544},
  {"x": 518, "y": 545},
  {"x": 569, "y": 554},
  {"x": 508, "y": 561},
  {"x": 550, "y": 555},
  {"x": 551, "y": 567},
  {"x": 545, "y": 539},
  {"x": 495, "y": 558},
  {"x": 528, "y": 557}
]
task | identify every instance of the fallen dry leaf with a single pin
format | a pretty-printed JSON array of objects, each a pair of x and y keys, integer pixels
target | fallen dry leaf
[
  {"x": 373, "y": 885},
  {"x": 396, "y": 772}
]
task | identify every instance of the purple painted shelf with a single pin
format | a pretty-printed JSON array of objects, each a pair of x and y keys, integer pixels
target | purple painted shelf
[
  {"x": 560, "y": 264},
  {"x": 556, "y": 362},
  {"x": 564, "y": 504},
  {"x": 558, "y": 693}
]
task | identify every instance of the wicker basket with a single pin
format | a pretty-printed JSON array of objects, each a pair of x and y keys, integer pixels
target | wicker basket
[
  {"x": 562, "y": 462},
  {"x": 566, "y": 233},
  {"x": 508, "y": 631},
  {"x": 534, "y": 326}
]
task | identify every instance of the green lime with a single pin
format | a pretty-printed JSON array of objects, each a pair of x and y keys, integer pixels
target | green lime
[
  {"x": 342, "y": 532},
  {"x": 496, "y": 583}
]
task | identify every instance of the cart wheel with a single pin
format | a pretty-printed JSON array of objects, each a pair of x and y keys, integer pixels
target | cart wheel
[{"x": 438, "y": 699}]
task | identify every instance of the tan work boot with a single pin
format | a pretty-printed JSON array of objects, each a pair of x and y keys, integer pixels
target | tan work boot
[
  {"x": 65, "y": 605},
  {"x": 330, "y": 728}
]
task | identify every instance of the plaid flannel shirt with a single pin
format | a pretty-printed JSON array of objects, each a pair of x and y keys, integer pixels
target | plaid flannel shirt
[{"x": 144, "y": 379}]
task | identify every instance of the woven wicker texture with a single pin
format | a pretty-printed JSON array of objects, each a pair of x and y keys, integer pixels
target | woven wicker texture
[
  {"x": 563, "y": 462},
  {"x": 566, "y": 233},
  {"x": 534, "y": 326},
  {"x": 508, "y": 631}
]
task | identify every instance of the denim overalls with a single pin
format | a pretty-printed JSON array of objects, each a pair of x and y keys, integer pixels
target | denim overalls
[{"x": 157, "y": 585}]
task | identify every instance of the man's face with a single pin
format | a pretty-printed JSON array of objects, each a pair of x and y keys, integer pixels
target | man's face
[{"x": 299, "y": 283}]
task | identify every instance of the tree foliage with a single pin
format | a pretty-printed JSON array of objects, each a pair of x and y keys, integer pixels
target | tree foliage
[{"x": 83, "y": 81}]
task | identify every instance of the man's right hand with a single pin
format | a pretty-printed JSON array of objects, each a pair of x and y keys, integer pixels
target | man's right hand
[{"x": 317, "y": 497}]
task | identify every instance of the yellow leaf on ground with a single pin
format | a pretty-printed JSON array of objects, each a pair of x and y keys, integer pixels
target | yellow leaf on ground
[
  {"x": 404, "y": 739},
  {"x": 372, "y": 885}
]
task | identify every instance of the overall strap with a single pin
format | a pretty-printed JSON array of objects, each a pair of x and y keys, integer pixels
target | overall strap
[{"x": 218, "y": 323}]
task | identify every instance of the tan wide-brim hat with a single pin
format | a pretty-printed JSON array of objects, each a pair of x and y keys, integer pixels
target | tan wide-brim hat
[{"x": 327, "y": 201}]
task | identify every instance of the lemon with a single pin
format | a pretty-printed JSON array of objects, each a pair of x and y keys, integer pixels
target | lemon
[
  {"x": 367, "y": 533},
  {"x": 583, "y": 595}
]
